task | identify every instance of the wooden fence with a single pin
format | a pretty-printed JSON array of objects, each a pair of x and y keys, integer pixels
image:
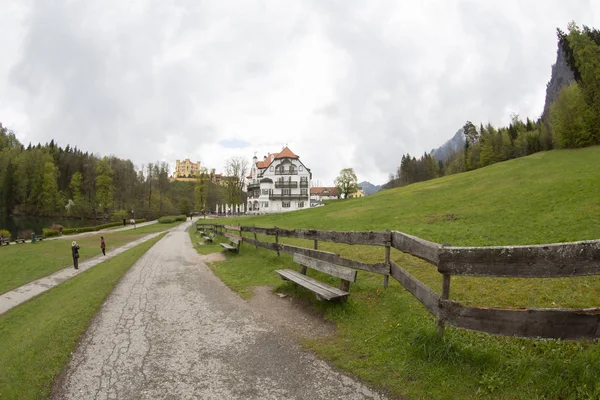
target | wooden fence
[{"x": 539, "y": 261}]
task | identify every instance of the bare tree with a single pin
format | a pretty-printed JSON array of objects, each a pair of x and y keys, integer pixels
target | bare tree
[{"x": 236, "y": 169}]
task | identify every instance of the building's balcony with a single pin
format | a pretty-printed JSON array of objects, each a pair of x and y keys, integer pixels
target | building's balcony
[
  {"x": 286, "y": 172},
  {"x": 293, "y": 196},
  {"x": 252, "y": 186},
  {"x": 303, "y": 184},
  {"x": 284, "y": 184}
]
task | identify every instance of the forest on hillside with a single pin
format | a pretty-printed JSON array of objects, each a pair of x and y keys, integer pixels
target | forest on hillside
[
  {"x": 573, "y": 121},
  {"x": 49, "y": 180}
]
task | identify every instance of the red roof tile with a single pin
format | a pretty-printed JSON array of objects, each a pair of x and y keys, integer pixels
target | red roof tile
[
  {"x": 286, "y": 153},
  {"x": 319, "y": 191}
]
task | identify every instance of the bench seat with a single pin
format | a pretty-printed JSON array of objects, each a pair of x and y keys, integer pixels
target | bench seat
[
  {"x": 208, "y": 238},
  {"x": 228, "y": 247},
  {"x": 322, "y": 290},
  {"x": 20, "y": 240}
]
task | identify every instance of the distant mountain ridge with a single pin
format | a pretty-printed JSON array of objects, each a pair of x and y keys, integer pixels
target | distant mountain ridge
[
  {"x": 451, "y": 146},
  {"x": 368, "y": 188}
]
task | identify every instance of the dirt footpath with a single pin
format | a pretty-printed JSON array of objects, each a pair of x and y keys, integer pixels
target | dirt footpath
[{"x": 172, "y": 330}]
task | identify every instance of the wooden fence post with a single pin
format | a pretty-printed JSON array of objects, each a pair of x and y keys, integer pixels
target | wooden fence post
[
  {"x": 316, "y": 244},
  {"x": 445, "y": 296},
  {"x": 388, "y": 245},
  {"x": 277, "y": 239},
  {"x": 256, "y": 240}
]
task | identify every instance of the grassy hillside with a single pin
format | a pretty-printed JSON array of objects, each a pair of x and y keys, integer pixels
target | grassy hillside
[
  {"x": 546, "y": 197},
  {"x": 387, "y": 338}
]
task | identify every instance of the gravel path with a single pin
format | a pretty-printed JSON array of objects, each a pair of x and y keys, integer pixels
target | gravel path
[{"x": 172, "y": 330}]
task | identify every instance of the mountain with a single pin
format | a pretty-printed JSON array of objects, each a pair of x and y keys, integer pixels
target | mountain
[
  {"x": 456, "y": 143},
  {"x": 562, "y": 75},
  {"x": 368, "y": 188}
]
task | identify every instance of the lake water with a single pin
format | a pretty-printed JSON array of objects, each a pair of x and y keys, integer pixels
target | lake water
[{"x": 16, "y": 224}]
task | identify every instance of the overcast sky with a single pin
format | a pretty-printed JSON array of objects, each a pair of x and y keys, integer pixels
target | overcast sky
[{"x": 343, "y": 83}]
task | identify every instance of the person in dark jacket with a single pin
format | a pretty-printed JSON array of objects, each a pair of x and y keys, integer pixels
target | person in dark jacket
[
  {"x": 75, "y": 251},
  {"x": 103, "y": 245}
]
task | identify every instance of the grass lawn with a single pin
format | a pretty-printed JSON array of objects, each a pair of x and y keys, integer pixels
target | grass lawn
[
  {"x": 387, "y": 338},
  {"x": 23, "y": 263},
  {"x": 39, "y": 336}
]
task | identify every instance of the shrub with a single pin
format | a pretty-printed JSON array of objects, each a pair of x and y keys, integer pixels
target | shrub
[
  {"x": 166, "y": 220},
  {"x": 169, "y": 219},
  {"x": 109, "y": 225},
  {"x": 5, "y": 234},
  {"x": 25, "y": 234},
  {"x": 57, "y": 227},
  {"x": 49, "y": 232}
]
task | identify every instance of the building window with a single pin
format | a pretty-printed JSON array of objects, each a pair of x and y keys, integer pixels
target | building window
[
  {"x": 265, "y": 204},
  {"x": 285, "y": 204},
  {"x": 265, "y": 191},
  {"x": 300, "y": 204},
  {"x": 287, "y": 191},
  {"x": 271, "y": 169},
  {"x": 304, "y": 191},
  {"x": 301, "y": 168}
]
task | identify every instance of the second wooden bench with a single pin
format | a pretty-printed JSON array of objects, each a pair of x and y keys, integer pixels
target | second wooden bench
[
  {"x": 322, "y": 290},
  {"x": 233, "y": 240}
]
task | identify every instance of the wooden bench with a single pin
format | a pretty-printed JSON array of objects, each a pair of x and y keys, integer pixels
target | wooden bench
[
  {"x": 39, "y": 238},
  {"x": 233, "y": 240},
  {"x": 4, "y": 242},
  {"x": 20, "y": 240},
  {"x": 209, "y": 238},
  {"x": 322, "y": 290}
]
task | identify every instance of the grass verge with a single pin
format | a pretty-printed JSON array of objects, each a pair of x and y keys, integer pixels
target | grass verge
[
  {"x": 24, "y": 263},
  {"x": 387, "y": 338},
  {"x": 39, "y": 336}
]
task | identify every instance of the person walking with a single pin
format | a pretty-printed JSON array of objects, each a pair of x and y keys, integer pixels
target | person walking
[
  {"x": 103, "y": 245},
  {"x": 75, "y": 252}
]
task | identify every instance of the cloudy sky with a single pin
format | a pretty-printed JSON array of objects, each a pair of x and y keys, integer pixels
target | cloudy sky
[{"x": 344, "y": 83}]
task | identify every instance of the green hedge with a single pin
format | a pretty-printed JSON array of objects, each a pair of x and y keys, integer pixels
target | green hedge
[
  {"x": 49, "y": 232},
  {"x": 169, "y": 219},
  {"x": 70, "y": 231}
]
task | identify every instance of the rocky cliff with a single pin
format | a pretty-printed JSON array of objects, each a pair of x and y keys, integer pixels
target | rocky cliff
[{"x": 562, "y": 75}]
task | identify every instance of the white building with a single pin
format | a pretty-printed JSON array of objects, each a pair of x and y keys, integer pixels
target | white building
[{"x": 278, "y": 183}]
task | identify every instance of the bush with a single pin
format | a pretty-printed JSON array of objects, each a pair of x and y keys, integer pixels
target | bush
[
  {"x": 25, "y": 234},
  {"x": 49, "y": 232},
  {"x": 169, "y": 219},
  {"x": 166, "y": 220},
  {"x": 56, "y": 227},
  {"x": 5, "y": 234}
]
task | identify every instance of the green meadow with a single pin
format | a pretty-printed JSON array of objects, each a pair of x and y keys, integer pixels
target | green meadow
[
  {"x": 24, "y": 263},
  {"x": 388, "y": 339}
]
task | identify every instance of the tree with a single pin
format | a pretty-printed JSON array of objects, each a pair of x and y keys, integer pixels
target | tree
[
  {"x": 50, "y": 196},
  {"x": 236, "y": 169},
  {"x": 201, "y": 190},
  {"x": 568, "y": 118},
  {"x": 78, "y": 206},
  {"x": 104, "y": 185},
  {"x": 346, "y": 182}
]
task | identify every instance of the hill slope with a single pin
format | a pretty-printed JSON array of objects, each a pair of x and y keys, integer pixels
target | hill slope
[{"x": 546, "y": 197}]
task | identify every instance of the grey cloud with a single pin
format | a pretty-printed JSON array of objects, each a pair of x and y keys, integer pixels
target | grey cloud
[{"x": 153, "y": 80}]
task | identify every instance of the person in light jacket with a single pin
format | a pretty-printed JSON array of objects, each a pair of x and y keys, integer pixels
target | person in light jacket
[{"x": 75, "y": 252}]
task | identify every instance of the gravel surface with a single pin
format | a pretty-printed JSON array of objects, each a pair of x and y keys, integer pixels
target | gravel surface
[{"x": 172, "y": 330}]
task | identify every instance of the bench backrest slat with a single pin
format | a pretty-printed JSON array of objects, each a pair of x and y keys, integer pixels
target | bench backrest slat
[
  {"x": 344, "y": 273},
  {"x": 235, "y": 239}
]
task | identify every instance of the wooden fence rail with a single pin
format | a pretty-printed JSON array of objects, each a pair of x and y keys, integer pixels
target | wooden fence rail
[{"x": 551, "y": 260}]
